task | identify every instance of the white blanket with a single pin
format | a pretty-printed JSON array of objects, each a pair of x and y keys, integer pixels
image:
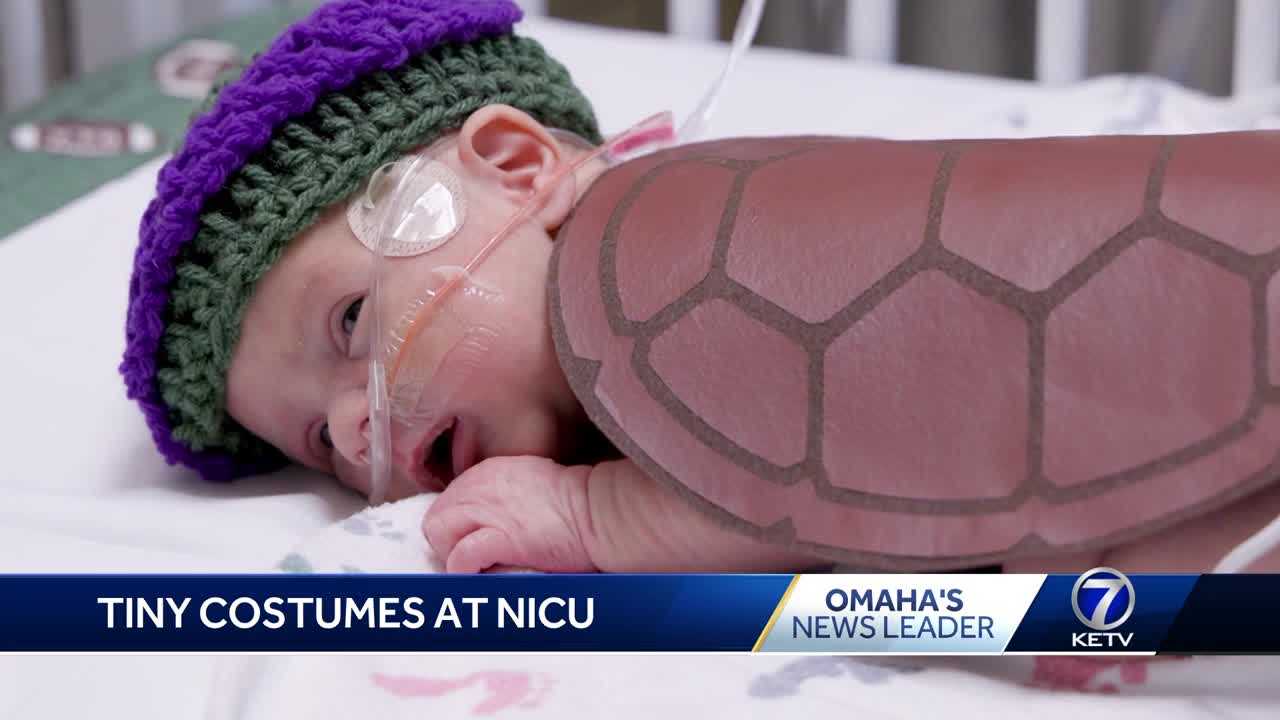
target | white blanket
[{"x": 386, "y": 539}]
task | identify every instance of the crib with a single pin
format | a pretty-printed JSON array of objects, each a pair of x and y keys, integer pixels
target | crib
[{"x": 40, "y": 40}]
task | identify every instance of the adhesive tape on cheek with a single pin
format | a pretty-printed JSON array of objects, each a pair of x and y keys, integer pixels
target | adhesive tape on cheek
[{"x": 431, "y": 210}]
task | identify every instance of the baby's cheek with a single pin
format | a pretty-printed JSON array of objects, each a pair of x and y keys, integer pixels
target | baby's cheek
[
  {"x": 357, "y": 478},
  {"x": 517, "y": 428},
  {"x": 523, "y": 382}
]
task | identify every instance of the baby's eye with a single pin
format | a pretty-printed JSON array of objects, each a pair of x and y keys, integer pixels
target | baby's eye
[
  {"x": 325, "y": 439},
  {"x": 351, "y": 316}
]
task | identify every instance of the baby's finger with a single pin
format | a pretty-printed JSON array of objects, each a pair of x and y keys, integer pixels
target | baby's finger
[
  {"x": 447, "y": 523},
  {"x": 480, "y": 551}
]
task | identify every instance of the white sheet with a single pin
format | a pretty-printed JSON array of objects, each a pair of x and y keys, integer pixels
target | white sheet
[
  {"x": 386, "y": 539},
  {"x": 83, "y": 490}
]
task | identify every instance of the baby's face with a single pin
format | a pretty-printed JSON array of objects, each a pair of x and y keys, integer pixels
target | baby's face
[{"x": 298, "y": 377}]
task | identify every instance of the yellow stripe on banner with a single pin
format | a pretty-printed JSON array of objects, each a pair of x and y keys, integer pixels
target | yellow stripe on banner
[{"x": 777, "y": 611}]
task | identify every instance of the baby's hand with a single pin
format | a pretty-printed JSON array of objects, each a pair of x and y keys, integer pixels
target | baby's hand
[
  {"x": 534, "y": 513},
  {"x": 511, "y": 511}
]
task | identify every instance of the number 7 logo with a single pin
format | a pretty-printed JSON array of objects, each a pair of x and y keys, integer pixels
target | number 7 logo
[{"x": 1112, "y": 582}]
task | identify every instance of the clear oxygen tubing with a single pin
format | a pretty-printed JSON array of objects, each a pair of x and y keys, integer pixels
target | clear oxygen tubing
[
  {"x": 395, "y": 382},
  {"x": 388, "y": 359},
  {"x": 744, "y": 33}
]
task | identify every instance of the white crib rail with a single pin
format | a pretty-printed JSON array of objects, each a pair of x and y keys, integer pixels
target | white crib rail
[
  {"x": 1062, "y": 41},
  {"x": 1257, "y": 46},
  {"x": 107, "y": 29},
  {"x": 871, "y": 30},
  {"x": 533, "y": 7},
  {"x": 698, "y": 19},
  {"x": 1062, "y": 36},
  {"x": 23, "y": 69}
]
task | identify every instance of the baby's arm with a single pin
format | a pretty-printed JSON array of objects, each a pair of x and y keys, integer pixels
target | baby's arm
[{"x": 531, "y": 512}]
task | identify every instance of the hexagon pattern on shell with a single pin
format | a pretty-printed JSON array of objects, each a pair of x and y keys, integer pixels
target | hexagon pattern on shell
[{"x": 922, "y": 354}]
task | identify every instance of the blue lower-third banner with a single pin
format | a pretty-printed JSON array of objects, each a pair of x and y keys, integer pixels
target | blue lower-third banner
[{"x": 1101, "y": 611}]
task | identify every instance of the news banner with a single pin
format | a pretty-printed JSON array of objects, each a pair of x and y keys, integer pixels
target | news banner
[{"x": 1101, "y": 611}]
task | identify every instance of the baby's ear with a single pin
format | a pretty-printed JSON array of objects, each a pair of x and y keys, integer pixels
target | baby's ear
[{"x": 513, "y": 152}]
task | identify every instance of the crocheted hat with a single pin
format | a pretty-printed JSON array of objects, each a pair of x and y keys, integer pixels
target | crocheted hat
[{"x": 353, "y": 86}]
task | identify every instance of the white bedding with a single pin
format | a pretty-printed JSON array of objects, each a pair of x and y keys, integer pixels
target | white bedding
[
  {"x": 82, "y": 489},
  {"x": 385, "y": 539}
]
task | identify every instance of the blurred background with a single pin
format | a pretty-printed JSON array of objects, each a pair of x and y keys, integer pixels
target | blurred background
[{"x": 1203, "y": 44}]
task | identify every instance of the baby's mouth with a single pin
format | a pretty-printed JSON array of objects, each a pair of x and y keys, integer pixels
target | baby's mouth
[
  {"x": 439, "y": 460},
  {"x": 444, "y": 454}
]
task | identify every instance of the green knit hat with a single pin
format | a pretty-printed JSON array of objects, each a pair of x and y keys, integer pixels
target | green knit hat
[{"x": 314, "y": 155}]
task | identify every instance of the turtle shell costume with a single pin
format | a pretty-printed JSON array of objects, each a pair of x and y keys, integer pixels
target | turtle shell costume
[{"x": 935, "y": 354}]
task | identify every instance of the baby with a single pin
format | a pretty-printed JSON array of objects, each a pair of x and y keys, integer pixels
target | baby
[{"x": 249, "y": 334}]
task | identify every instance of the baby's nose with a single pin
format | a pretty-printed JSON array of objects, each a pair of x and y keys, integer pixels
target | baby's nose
[{"x": 349, "y": 426}]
